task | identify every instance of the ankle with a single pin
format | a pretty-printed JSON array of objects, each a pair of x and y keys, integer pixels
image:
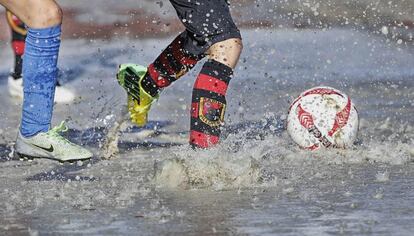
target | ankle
[{"x": 149, "y": 86}]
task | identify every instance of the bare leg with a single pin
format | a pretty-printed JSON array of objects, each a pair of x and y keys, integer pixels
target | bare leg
[
  {"x": 226, "y": 52},
  {"x": 35, "y": 13}
]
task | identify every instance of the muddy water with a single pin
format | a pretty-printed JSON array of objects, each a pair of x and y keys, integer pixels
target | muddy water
[{"x": 257, "y": 181}]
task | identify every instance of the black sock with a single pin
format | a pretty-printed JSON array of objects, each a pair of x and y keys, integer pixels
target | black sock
[{"x": 18, "y": 64}]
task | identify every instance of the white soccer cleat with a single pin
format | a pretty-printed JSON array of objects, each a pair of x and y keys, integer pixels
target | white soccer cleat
[
  {"x": 51, "y": 145},
  {"x": 15, "y": 87},
  {"x": 62, "y": 95}
]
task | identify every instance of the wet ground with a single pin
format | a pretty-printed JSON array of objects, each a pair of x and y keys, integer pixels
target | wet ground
[
  {"x": 147, "y": 18},
  {"x": 257, "y": 182}
]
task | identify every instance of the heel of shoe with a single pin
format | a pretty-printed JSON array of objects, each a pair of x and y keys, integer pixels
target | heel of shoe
[{"x": 23, "y": 157}]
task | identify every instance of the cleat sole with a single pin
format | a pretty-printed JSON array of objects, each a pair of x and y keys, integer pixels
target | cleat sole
[{"x": 25, "y": 157}]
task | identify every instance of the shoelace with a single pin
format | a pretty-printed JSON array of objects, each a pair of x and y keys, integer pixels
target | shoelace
[
  {"x": 60, "y": 128},
  {"x": 55, "y": 133}
]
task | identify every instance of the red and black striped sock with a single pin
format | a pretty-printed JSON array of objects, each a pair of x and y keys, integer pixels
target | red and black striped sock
[
  {"x": 169, "y": 66},
  {"x": 209, "y": 104}
]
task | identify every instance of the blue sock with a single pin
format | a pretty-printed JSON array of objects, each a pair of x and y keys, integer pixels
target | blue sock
[{"x": 39, "y": 79}]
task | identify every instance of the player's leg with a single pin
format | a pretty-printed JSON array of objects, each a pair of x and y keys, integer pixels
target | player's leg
[
  {"x": 36, "y": 14},
  {"x": 209, "y": 92},
  {"x": 15, "y": 81},
  {"x": 43, "y": 17},
  {"x": 19, "y": 32},
  {"x": 226, "y": 52},
  {"x": 211, "y": 31},
  {"x": 173, "y": 63},
  {"x": 144, "y": 84}
]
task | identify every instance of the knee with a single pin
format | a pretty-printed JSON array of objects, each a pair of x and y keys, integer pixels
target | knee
[
  {"x": 46, "y": 16},
  {"x": 227, "y": 52},
  {"x": 237, "y": 44},
  {"x": 55, "y": 15}
]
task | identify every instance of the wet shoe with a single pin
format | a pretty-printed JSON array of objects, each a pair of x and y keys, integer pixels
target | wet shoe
[
  {"x": 15, "y": 87},
  {"x": 51, "y": 145},
  {"x": 130, "y": 77}
]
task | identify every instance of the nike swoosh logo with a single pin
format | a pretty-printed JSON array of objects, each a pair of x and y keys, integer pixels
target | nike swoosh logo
[{"x": 51, "y": 149}]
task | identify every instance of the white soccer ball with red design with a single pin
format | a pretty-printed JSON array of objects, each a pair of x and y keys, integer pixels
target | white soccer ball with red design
[{"x": 323, "y": 117}]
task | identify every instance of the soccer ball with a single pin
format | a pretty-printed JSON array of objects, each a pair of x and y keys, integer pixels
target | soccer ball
[{"x": 323, "y": 117}]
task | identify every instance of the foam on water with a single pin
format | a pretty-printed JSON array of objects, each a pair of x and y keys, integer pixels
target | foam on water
[
  {"x": 240, "y": 162},
  {"x": 213, "y": 169},
  {"x": 383, "y": 176}
]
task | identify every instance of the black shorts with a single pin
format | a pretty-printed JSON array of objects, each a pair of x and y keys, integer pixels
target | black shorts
[{"x": 206, "y": 21}]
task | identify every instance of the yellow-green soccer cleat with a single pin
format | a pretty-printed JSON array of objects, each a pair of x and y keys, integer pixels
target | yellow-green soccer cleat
[{"x": 130, "y": 77}]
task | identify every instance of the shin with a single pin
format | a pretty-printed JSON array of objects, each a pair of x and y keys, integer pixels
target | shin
[{"x": 209, "y": 93}]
